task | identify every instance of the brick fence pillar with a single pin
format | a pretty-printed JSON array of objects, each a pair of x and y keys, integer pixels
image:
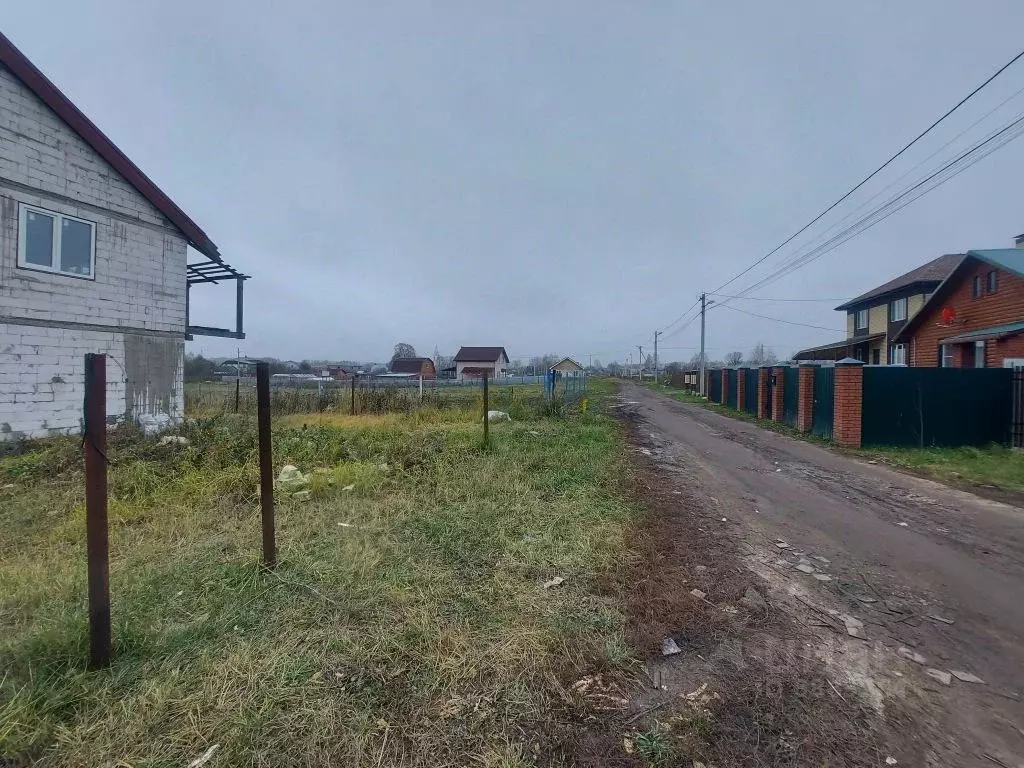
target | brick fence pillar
[
  {"x": 764, "y": 376},
  {"x": 805, "y": 398},
  {"x": 849, "y": 396},
  {"x": 725, "y": 386},
  {"x": 778, "y": 394},
  {"x": 741, "y": 389}
]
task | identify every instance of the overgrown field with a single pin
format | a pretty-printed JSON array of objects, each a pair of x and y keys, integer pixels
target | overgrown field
[{"x": 406, "y": 624}]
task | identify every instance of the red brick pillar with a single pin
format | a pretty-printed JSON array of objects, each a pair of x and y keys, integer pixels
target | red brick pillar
[
  {"x": 849, "y": 402},
  {"x": 725, "y": 386},
  {"x": 741, "y": 389},
  {"x": 764, "y": 376},
  {"x": 778, "y": 394},
  {"x": 805, "y": 401}
]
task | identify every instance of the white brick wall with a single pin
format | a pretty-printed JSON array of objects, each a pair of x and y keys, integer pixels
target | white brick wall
[
  {"x": 139, "y": 281},
  {"x": 42, "y": 375},
  {"x": 140, "y": 258}
]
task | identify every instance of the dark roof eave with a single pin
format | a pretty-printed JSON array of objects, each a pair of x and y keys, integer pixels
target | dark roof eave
[
  {"x": 918, "y": 286},
  {"x": 64, "y": 108}
]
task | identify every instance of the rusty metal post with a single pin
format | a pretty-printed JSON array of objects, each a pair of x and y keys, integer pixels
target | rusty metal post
[
  {"x": 486, "y": 408},
  {"x": 352, "y": 410},
  {"x": 266, "y": 463},
  {"x": 96, "y": 540},
  {"x": 238, "y": 387}
]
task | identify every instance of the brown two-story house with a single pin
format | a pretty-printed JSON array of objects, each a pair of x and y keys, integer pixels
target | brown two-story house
[
  {"x": 874, "y": 319},
  {"x": 975, "y": 318}
]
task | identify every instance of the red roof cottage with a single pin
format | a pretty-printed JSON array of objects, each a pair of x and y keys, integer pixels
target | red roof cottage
[{"x": 975, "y": 318}]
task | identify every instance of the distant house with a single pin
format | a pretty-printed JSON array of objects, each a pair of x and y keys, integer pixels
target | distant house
[
  {"x": 475, "y": 362},
  {"x": 567, "y": 368},
  {"x": 414, "y": 366},
  {"x": 335, "y": 372},
  {"x": 975, "y": 318},
  {"x": 874, "y": 318}
]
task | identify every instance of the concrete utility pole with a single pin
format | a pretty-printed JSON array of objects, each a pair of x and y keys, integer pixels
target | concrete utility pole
[
  {"x": 656, "y": 335},
  {"x": 703, "y": 308},
  {"x": 640, "y": 365}
]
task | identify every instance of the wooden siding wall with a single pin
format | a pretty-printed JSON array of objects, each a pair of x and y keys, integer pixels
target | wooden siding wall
[{"x": 1006, "y": 305}]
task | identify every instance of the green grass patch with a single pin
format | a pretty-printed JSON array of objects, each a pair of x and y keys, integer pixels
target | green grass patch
[
  {"x": 993, "y": 465},
  {"x": 406, "y": 623}
]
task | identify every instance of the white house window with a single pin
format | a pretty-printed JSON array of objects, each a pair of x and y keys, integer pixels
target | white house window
[
  {"x": 53, "y": 242},
  {"x": 898, "y": 310},
  {"x": 861, "y": 319},
  {"x": 898, "y": 354},
  {"x": 946, "y": 355}
]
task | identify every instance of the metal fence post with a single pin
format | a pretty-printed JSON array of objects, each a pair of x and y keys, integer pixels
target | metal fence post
[
  {"x": 486, "y": 415},
  {"x": 238, "y": 387},
  {"x": 352, "y": 409},
  {"x": 96, "y": 538},
  {"x": 266, "y": 463}
]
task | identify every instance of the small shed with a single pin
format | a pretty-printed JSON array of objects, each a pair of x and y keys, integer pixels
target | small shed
[
  {"x": 414, "y": 366},
  {"x": 567, "y": 368}
]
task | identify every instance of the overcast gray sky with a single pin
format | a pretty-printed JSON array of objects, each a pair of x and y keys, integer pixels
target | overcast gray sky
[{"x": 550, "y": 176}]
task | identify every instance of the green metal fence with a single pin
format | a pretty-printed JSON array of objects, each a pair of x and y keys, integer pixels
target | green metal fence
[
  {"x": 790, "y": 395},
  {"x": 732, "y": 387},
  {"x": 927, "y": 407},
  {"x": 824, "y": 402},
  {"x": 750, "y": 391},
  {"x": 715, "y": 386}
]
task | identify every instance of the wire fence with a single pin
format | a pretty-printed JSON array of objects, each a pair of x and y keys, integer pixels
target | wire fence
[{"x": 377, "y": 395}]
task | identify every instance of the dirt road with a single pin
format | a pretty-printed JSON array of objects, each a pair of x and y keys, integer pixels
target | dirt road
[{"x": 935, "y": 575}]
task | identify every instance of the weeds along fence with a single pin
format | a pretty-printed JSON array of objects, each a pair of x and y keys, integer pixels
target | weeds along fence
[{"x": 369, "y": 395}]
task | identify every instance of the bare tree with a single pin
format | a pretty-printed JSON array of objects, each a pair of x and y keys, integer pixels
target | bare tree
[
  {"x": 734, "y": 358},
  {"x": 762, "y": 355},
  {"x": 403, "y": 350}
]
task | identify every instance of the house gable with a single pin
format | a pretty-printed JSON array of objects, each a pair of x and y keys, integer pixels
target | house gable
[
  {"x": 1005, "y": 306},
  {"x": 50, "y": 145}
]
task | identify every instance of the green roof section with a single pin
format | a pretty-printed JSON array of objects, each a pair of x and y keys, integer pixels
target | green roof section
[
  {"x": 995, "y": 332},
  {"x": 1011, "y": 259}
]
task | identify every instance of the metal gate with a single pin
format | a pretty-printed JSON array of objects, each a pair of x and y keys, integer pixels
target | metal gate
[
  {"x": 731, "y": 387},
  {"x": 715, "y": 386},
  {"x": 824, "y": 402},
  {"x": 750, "y": 390},
  {"x": 770, "y": 403},
  {"x": 790, "y": 395}
]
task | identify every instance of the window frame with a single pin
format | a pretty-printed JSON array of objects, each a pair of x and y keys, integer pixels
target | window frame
[
  {"x": 992, "y": 281},
  {"x": 979, "y": 354},
  {"x": 55, "y": 253},
  {"x": 892, "y": 307},
  {"x": 856, "y": 319},
  {"x": 945, "y": 353},
  {"x": 892, "y": 354},
  {"x": 977, "y": 287}
]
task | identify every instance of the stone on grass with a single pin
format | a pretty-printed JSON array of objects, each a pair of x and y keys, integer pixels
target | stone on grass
[
  {"x": 753, "y": 600},
  {"x": 669, "y": 647},
  {"x": 173, "y": 440},
  {"x": 698, "y": 593},
  {"x": 555, "y": 582},
  {"x": 498, "y": 416}
]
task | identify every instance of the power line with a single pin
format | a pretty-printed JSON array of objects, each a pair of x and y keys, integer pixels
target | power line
[
  {"x": 871, "y": 175},
  {"x": 764, "y": 298},
  {"x": 930, "y": 182},
  {"x": 689, "y": 309},
  {"x": 778, "y": 319}
]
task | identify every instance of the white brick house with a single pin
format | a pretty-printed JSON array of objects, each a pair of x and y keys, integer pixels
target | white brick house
[{"x": 93, "y": 258}]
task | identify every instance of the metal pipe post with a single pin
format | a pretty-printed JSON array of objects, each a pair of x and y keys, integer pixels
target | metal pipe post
[
  {"x": 96, "y": 538},
  {"x": 266, "y": 463}
]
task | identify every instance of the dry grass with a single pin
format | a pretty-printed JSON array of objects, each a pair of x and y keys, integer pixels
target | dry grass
[{"x": 405, "y": 625}]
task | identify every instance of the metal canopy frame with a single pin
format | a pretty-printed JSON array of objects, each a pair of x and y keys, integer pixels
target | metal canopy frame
[{"x": 213, "y": 271}]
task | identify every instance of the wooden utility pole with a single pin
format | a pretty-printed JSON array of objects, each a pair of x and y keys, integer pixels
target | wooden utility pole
[
  {"x": 640, "y": 366},
  {"x": 96, "y": 537},
  {"x": 656, "y": 335}
]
